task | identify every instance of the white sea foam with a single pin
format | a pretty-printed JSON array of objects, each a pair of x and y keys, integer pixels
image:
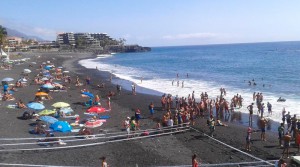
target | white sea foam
[{"x": 155, "y": 82}]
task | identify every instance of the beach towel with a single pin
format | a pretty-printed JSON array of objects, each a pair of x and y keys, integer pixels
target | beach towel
[
  {"x": 71, "y": 116},
  {"x": 104, "y": 117},
  {"x": 90, "y": 114},
  {"x": 75, "y": 130},
  {"x": 13, "y": 106}
]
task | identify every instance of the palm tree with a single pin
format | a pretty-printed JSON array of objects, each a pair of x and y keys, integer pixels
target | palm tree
[{"x": 3, "y": 34}]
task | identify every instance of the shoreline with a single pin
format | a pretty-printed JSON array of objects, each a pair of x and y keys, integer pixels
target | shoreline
[
  {"x": 166, "y": 150},
  {"x": 239, "y": 118}
]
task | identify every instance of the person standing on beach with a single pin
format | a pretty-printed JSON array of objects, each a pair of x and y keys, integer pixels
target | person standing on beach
[
  {"x": 250, "y": 108},
  {"x": 108, "y": 102},
  {"x": 177, "y": 83},
  {"x": 287, "y": 143},
  {"x": 182, "y": 84},
  {"x": 88, "y": 80},
  {"x": 104, "y": 163},
  {"x": 263, "y": 123},
  {"x": 288, "y": 120},
  {"x": 119, "y": 89},
  {"x": 262, "y": 110},
  {"x": 280, "y": 134},
  {"x": 248, "y": 139},
  {"x": 283, "y": 115},
  {"x": 127, "y": 126},
  {"x": 137, "y": 118},
  {"x": 212, "y": 126},
  {"x": 133, "y": 88},
  {"x": 151, "y": 109},
  {"x": 269, "y": 105},
  {"x": 173, "y": 82},
  {"x": 194, "y": 161}
]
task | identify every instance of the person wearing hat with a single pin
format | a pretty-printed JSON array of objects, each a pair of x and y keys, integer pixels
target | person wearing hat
[{"x": 248, "y": 139}]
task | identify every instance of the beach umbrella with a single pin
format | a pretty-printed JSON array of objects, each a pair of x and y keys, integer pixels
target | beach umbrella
[
  {"x": 88, "y": 94},
  {"x": 48, "y": 86},
  {"x": 94, "y": 123},
  {"x": 96, "y": 110},
  {"x": 60, "y": 105},
  {"x": 27, "y": 71},
  {"x": 7, "y": 79},
  {"x": 35, "y": 106},
  {"x": 61, "y": 126},
  {"x": 66, "y": 110},
  {"x": 47, "y": 112},
  {"x": 48, "y": 119},
  {"x": 41, "y": 94}
]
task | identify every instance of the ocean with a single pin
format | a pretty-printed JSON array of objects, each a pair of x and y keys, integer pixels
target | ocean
[{"x": 274, "y": 67}]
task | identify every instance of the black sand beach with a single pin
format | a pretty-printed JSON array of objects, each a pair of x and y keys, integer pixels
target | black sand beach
[{"x": 167, "y": 150}]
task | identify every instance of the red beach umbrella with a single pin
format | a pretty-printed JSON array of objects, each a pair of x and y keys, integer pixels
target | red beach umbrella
[
  {"x": 94, "y": 123},
  {"x": 96, "y": 110}
]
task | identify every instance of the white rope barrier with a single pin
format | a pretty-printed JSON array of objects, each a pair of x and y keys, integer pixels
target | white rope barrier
[
  {"x": 252, "y": 156},
  {"x": 92, "y": 144},
  {"x": 93, "y": 137},
  {"x": 32, "y": 165},
  {"x": 227, "y": 164},
  {"x": 99, "y": 134}
]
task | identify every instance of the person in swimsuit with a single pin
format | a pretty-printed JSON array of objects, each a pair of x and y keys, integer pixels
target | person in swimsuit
[
  {"x": 263, "y": 123},
  {"x": 194, "y": 161},
  {"x": 287, "y": 142},
  {"x": 250, "y": 108},
  {"x": 248, "y": 139},
  {"x": 280, "y": 134}
]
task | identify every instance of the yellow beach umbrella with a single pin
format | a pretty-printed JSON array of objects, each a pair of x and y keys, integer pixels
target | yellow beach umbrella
[
  {"x": 60, "y": 105},
  {"x": 41, "y": 94},
  {"x": 47, "y": 112}
]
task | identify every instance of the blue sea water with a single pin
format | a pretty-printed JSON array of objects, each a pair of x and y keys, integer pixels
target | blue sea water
[{"x": 273, "y": 66}]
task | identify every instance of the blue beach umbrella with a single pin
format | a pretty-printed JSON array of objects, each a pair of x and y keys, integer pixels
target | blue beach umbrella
[
  {"x": 88, "y": 94},
  {"x": 35, "y": 106},
  {"x": 48, "y": 119},
  {"x": 48, "y": 86},
  {"x": 61, "y": 126}
]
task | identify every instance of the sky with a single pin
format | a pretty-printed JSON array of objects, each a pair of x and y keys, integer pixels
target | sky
[{"x": 158, "y": 22}]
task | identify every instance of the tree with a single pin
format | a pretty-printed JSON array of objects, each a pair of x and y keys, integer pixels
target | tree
[
  {"x": 122, "y": 41},
  {"x": 3, "y": 34}
]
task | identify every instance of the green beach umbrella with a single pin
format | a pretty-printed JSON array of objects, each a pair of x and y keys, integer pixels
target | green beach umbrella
[{"x": 47, "y": 112}]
